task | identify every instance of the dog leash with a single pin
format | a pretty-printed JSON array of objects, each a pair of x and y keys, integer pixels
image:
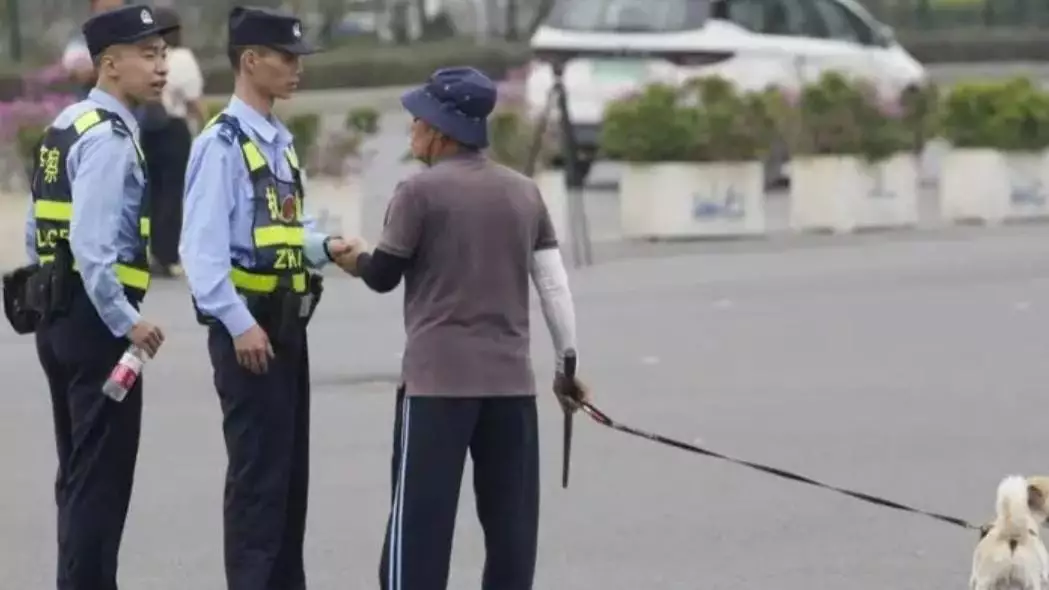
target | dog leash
[{"x": 604, "y": 420}]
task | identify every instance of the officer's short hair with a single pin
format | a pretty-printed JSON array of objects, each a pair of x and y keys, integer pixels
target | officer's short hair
[
  {"x": 234, "y": 54},
  {"x": 97, "y": 60},
  {"x": 237, "y": 51}
]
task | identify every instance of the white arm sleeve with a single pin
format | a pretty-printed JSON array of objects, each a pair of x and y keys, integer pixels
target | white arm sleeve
[{"x": 551, "y": 282}]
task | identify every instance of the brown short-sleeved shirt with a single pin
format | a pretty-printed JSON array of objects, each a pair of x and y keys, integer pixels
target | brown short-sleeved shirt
[{"x": 470, "y": 227}]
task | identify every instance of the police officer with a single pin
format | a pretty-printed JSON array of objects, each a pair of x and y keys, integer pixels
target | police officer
[
  {"x": 246, "y": 249},
  {"x": 88, "y": 231},
  {"x": 466, "y": 234}
]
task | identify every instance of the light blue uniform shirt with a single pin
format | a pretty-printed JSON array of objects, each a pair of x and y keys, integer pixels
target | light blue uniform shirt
[
  {"x": 107, "y": 186},
  {"x": 218, "y": 212}
]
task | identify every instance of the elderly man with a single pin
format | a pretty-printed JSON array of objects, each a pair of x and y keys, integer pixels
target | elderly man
[{"x": 466, "y": 234}]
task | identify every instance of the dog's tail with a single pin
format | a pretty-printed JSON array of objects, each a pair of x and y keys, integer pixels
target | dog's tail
[{"x": 1013, "y": 522}]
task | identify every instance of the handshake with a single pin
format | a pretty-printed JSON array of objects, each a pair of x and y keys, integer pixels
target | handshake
[{"x": 345, "y": 252}]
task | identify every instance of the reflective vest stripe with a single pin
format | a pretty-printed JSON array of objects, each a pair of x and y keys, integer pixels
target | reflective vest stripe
[
  {"x": 268, "y": 236},
  {"x": 86, "y": 121},
  {"x": 53, "y": 210},
  {"x": 264, "y": 283},
  {"x": 279, "y": 235},
  {"x": 92, "y": 118},
  {"x": 254, "y": 156},
  {"x": 128, "y": 276},
  {"x": 63, "y": 211}
]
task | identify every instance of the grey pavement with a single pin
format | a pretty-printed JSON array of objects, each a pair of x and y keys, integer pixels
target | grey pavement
[{"x": 909, "y": 365}]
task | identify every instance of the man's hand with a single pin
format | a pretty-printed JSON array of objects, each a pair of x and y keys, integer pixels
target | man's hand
[
  {"x": 254, "y": 350},
  {"x": 570, "y": 392},
  {"x": 346, "y": 257},
  {"x": 147, "y": 337}
]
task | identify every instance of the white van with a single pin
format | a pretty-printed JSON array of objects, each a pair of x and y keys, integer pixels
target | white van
[{"x": 616, "y": 46}]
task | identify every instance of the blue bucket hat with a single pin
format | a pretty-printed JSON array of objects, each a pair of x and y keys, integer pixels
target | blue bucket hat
[{"x": 456, "y": 102}]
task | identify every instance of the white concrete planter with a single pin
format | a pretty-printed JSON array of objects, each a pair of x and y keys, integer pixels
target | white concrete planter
[
  {"x": 989, "y": 186},
  {"x": 336, "y": 204},
  {"x": 843, "y": 194},
  {"x": 692, "y": 200},
  {"x": 551, "y": 185},
  {"x": 14, "y": 208}
]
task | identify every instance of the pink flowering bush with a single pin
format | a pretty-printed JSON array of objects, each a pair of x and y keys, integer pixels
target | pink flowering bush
[
  {"x": 515, "y": 139},
  {"x": 837, "y": 115},
  {"x": 23, "y": 120},
  {"x": 518, "y": 142}
]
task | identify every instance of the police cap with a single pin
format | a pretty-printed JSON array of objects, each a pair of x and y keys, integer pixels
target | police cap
[
  {"x": 268, "y": 28},
  {"x": 123, "y": 25}
]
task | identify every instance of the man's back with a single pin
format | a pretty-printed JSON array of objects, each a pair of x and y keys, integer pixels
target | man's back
[{"x": 466, "y": 291}]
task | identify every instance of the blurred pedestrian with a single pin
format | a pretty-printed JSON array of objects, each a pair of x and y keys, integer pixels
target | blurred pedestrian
[
  {"x": 166, "y": 139},
  {"x": 76, "y": 59}
]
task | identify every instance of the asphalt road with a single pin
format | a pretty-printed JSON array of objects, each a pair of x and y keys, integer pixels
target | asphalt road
[
  {"x": 909, "y": 365},
  {"x": 905, "y": 364}
]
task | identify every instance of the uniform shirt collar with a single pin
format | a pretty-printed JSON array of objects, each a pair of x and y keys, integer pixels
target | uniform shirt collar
[
  {"x": 109, "y": 102},
  {"x": 267, "y": 129}
]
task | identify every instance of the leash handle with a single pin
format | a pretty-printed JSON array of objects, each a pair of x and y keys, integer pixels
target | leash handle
[{"x": 566, "y": 440}]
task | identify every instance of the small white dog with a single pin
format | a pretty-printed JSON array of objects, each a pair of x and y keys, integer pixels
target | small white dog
[{"x": 1011, "y": 555}]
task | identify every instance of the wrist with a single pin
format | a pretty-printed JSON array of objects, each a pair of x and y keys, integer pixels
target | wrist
[{"x": 327, "y": 246}]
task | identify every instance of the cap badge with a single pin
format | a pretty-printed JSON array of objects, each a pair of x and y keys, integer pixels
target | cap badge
[
  {"x": 147, "y": 18},
  {"x": 296, "y": 30}
]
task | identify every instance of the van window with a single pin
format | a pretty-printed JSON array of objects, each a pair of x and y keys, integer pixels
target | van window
[
  {"x": 842, "y": 24},
  {"x": 797, "y": 18},
  {"x": 629, "y": 16}
]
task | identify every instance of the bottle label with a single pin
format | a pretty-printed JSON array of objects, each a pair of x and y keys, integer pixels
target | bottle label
[{"x": 126, "y": 372}]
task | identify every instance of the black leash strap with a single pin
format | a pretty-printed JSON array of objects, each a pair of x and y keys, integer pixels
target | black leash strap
[{"x": 603, "y": 419}]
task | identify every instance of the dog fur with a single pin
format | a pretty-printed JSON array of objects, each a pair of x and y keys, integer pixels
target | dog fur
[{"x": 1011, "y": 555}]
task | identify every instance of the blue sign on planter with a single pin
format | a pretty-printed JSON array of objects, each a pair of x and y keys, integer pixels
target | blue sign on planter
[
  {"x": 1027, "y": 193},
  {"x": 727, "y": 204}
]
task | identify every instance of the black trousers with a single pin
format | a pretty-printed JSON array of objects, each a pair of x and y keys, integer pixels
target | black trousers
[
  {"x": 266, "y": 422},
  {"x": 431, "y": 439},
  {"x": 167, "y": 155},
  {"x": 97, "y": 442}
]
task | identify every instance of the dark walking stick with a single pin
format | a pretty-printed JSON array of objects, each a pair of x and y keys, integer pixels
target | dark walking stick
[{"x": 566, "y": 457}]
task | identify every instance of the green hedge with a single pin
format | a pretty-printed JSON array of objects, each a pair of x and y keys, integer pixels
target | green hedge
[{"x": 370, "y": 66}]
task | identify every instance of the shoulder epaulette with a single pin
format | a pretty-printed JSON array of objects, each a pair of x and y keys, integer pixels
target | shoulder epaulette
[
  {"x": 227, "y": 127},
  {"x": 119, "y": 127}
]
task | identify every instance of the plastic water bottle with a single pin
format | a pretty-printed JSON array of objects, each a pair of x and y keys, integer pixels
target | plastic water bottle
[{"x": 125, "y": 373}]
